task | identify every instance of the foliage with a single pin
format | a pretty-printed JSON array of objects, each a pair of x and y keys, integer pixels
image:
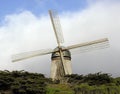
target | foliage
[
  {"x": 117, "y": 81},
  {"x": 92, "y": 79},
  {"x": 59, "y": 89},
  {"x": 102, "y": 89},
  {"x": 22, "y": 82},
  {"x": 98, "y": 83}
]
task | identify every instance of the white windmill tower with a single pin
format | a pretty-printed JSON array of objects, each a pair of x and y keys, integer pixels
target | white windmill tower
[{"x": 61, "y": 56}]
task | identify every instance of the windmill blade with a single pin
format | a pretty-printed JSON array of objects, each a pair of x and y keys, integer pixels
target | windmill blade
[
  {"x": 56, "y": 26},
  {"x": 26, "y": 55},
  {"x": 59, "y": 36},
  {"x": 88, "y": 46},
  {"x": 62, "y": 62}
]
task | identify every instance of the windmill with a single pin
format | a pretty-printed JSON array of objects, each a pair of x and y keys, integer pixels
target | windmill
[{"x": 61, "y": 56}]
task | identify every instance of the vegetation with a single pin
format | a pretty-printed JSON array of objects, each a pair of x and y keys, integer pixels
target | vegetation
[
  {"x": 98, "y": 83},
  {"x": 59, "y": 89},
  {"x": 22, "y": 82},
  {"x": 91, "y": 79}
]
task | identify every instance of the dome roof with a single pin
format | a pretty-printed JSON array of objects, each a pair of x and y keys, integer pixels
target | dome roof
[{"x": 66, "y": 53}]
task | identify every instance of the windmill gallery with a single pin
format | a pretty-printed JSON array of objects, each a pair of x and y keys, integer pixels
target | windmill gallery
[{"x": 61, "y": 56}]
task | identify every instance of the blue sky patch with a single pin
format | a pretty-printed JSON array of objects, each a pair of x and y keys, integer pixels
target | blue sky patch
[{"x": 38, "y": 7}]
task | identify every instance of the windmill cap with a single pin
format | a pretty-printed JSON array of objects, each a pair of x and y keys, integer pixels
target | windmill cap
[{"x": 56, "y": 54}]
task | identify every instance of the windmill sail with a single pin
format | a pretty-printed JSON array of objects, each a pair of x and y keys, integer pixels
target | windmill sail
[
  {"x": 56, "y": 26},
  {"x": 89, "y": 46},
  {"x": 59, "y": 36},
  {"x": 31, "y": 54}
]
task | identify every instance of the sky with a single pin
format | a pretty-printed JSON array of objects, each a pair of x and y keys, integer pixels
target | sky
[{"x": 26, "y": 26}]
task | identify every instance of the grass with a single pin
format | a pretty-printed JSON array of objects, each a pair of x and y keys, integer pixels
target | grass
[{"x": 59, "y": 89}]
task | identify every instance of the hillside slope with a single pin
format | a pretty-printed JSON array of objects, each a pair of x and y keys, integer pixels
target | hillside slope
[{"x": 22, "y": 82}]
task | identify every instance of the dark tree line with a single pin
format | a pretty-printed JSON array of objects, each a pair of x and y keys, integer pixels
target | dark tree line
[
  {"x": 98, "y": 83},
  {"x": 92, "y": 79},
  {"x": 21, "y": 82}
]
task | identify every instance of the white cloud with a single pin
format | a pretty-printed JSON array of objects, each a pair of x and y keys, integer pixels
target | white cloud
[{"x": 25, "y": 32}]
